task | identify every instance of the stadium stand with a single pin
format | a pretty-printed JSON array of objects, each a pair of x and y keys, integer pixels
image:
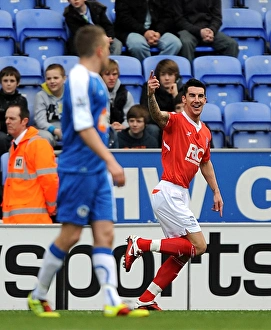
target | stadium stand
[
  {"x": 246, "y": 26},
  {"x": 7, "y": 34},
  {"x": 36, "y": 37},
  {"x": 130, "y": 74},
  {"x": 212, "y": 116},
  {"x": 267, "y": 25},
  {"x": 110, "y": 11},
  {"x": 184, "y": 65},
  {"x": 13, "y": 7},
  {"x": 258, "y": 78},
  {"x": 67, "y": 61},
  {"x": 56, "y": 5},
  {"x": 225, "y": 82},
  {"x": 261, "y": 6},
  {"x": 248, "y": 125}
]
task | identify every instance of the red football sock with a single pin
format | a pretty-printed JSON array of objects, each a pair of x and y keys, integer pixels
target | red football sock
[
  {"x": 165, "y": 275},
  {"x": 177, "y": 246},
  {"x": 144, "y": 244}
]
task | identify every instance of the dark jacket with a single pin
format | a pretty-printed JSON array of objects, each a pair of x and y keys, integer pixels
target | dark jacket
[
  {"x": 5, "y": 101},
  {"x": 116, "y": 107},
  {"x": 194, "y": 15},
  {"x": 126, "y": 141},
  {"x": 131, "y": 15},
  {"x": 74, "y": 21}
]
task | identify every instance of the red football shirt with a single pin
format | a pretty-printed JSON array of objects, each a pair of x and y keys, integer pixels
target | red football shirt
[{"x": 185, "y": 145}]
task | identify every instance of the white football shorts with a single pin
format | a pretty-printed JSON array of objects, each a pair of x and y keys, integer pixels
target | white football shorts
[{"x": 170, "y": 204}]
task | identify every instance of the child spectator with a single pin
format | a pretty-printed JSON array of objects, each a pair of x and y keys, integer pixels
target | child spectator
[
  {"x": 80, "y": 13},
  {"x": 48, "y": 104},
  {"x": 168, "y": 74},
  {"x": 121, "y": 100},
  {"x": 9, "y": 79},
  {"x": 136, "y": 136}
]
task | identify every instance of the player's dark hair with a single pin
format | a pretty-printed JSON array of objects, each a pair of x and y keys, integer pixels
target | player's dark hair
[
  {"x": 193, "y": 83},
  {"x": 87, "y": 39}
]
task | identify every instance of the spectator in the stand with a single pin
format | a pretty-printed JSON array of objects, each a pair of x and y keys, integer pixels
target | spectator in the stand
[
  {"x": 80, "y": 13},
  {"x": 30, "y": 190},
  {"x": 198, "y": 24},
  {"x": 48, "y": 104},
  {"x": 168, "y": 74},
  {"x": 121, "y": 100},
  {"x": 9, "y": 79},
  {"x": 178, "y": 102},
  {"x": 136, "y": 136},
  {"x": 143, "y": 24}
]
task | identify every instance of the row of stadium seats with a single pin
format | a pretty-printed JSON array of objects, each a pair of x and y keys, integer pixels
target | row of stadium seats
[
  {"x": 223, "y": 75},
  {"x": 33, "y": 35},
  {"x": 245, "y": 125}
]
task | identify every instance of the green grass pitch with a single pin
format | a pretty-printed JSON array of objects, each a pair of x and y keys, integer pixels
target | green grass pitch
[{"x": 165, "y": 320}]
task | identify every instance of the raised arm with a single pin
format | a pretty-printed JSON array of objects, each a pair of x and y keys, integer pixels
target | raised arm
[{"x": 160, "y": 117}]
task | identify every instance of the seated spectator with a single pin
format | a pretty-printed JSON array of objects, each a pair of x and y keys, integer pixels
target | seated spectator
[
  {"x": 178, "y": 102},
  {"x": 80, "y": 13},
  {"x": 30, "y": 190},
  {"x": 198, "y": 24},
  {"x": 136, "y": 136},
  {"x": 9, "y": 79},
  {"x": 48, "y": 104},
  {"x": 121, "y": 100},
  {"x": 143, "y": 24},
  {"x": 168, "y": 74}
]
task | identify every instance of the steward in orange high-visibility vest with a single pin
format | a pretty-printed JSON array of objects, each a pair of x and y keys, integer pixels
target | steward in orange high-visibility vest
[{"x": 31, "y": 187}]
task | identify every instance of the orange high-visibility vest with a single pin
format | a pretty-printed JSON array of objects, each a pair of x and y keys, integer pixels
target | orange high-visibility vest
[{"x": 31, "y": 187}]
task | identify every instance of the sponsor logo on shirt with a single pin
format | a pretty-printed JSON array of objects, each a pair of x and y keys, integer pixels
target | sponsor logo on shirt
[{"x": 194, "y": 154}]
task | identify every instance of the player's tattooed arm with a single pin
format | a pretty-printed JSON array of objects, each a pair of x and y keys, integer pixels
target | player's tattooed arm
[{"x": 160, "y": 117}]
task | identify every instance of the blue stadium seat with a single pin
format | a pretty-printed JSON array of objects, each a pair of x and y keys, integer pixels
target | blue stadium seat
[
  {"x": 246, "y": 27},
  {"x": 57, "y": 5},
  {"x": 223, "y": 78},
  {"x": 40, "y": 33},
  {"x": 4, "y": 166},
  {"x": 7, "y": 34},
  {"x": 130, "y": 74},
  {"x": 261, "y": 6},
  {"x": 248, "y": 125},
  {"x": 258, "y": 77},
  {"x": 267, "y": 25},
  {"x": 212, "y": 116},
  {"x": 29, "y": 68},
  {"x": 150, "y": 63},
  {"x": 227, "y": 4},
  {"x": 67, "y": 61},
  {"x": 29, "y": 92},
  {"x": 13, "y": 7},
  {"x": 110, "y": 11}
]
